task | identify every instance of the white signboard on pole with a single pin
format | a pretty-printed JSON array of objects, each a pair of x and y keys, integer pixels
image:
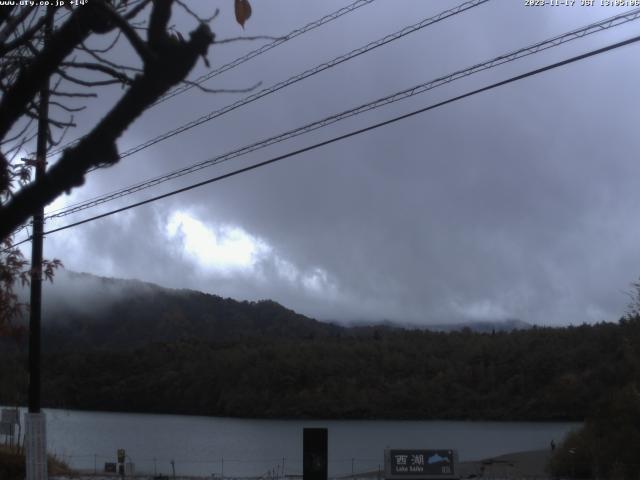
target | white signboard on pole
[
  {"x": 36, "y": 446},
  {"x": 10, "y": 415}
]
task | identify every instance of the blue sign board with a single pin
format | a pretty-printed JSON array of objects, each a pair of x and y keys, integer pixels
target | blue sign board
[{"x": 420, "y": 464}]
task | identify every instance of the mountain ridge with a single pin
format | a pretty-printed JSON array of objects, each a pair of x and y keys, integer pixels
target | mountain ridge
[
  {"x": 105, "y": 312},
  {"x": 129, "y": 314}
]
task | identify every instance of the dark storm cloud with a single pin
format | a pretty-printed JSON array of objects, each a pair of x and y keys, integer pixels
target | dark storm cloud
[{"x": 519, "y": 202}]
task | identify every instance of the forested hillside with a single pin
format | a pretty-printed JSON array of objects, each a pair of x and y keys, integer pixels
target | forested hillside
[
  {"x": 261, "y": 360},
  {"x": 117, "y": 314}
]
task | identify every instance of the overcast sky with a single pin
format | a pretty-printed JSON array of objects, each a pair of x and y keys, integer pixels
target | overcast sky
[{"x": 521, "y": 202}]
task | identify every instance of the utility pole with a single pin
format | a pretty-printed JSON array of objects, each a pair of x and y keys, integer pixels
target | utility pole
[{"x": 35, "y": 431}]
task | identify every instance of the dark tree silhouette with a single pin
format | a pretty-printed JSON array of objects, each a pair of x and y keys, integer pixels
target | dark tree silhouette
[
  {"x": 32, "y": 53},
  {"x": 166, "y": 61}
]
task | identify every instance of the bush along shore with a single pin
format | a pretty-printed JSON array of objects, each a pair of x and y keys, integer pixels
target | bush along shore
[{"x": 12, "y": 464}]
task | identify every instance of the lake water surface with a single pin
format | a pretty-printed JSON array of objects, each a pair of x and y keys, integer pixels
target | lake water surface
[{"x": 242, "y": 447}]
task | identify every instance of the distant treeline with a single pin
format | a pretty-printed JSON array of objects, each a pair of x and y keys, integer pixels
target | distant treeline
[{"x": 536, "y": 374}]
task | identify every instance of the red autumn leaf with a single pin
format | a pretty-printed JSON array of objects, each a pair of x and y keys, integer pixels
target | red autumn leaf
[{"x": 243, "y": 11}]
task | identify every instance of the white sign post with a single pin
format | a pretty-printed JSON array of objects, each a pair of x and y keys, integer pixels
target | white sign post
[
  {"x": 36, "y": 446},
  {"x": 9, "y": 418}
]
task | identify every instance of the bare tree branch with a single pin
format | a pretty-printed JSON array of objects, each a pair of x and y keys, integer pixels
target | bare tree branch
[
  {"x": 5, "y": 13},
  {"x": 66, "y": 108},
  {"x": 136, "y": 42},
  {"x": 81, "y": 23},
  {"x": 171, "y": 62},
  {"x": 86, "y": 83},
  {"x": 53, "y": 121},
  {"x": 103, "y": 60},
  {"x": 109, "y": 46},
  {"x": 53, "y": 91},
  {"x": 19, "y": 134},
  {"x": 158, "y": 22},
  {"x": 200, "y": 19},
  {"x": 25, "y": 36},
  {"x": 12, "y": 24},
  {"x": 58, "y": 93},
  {"x": 15, "y": 150},
  {"x": 131, "y": 14},
  {"x": 55, "y": 143},
  {"x": 121, "y": 77}
]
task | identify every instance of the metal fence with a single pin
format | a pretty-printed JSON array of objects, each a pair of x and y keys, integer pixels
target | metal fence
[{"x": 223, "y": 468}]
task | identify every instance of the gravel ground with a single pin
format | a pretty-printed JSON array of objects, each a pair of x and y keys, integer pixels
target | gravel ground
[{"x": 530, "y": 464}]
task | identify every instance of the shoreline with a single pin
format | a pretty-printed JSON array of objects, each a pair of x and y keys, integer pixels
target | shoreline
[
  {"x": 523, "y": 464},
  {"x": 302, "y": 418},
  {"x": 530, "y": 463},
  {"x": 515, "y": 465}
]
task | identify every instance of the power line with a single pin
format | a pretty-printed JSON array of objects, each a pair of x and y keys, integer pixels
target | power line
[
  {"x": 421, "y": 88},
  {"x": 265, "y": 48},
  {"x": 353, "y": 133},
  {"x": 245, "y": 58},
  {"x": 304, "y": 75},
  {"x": 405, "y": 31}
]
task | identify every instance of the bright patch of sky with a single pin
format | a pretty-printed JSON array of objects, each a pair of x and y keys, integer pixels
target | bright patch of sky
[
  {"x": 480, "y": 310},
  {"x": 223, "y": 249}
]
